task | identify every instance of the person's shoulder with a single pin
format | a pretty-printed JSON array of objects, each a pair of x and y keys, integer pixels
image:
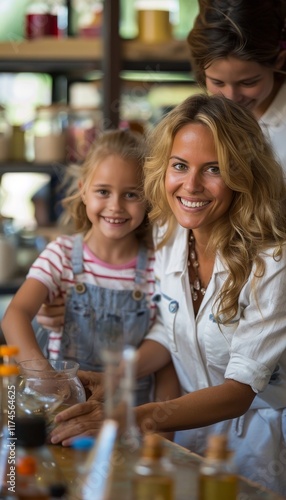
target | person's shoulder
[{"x": 63, "y": 243}]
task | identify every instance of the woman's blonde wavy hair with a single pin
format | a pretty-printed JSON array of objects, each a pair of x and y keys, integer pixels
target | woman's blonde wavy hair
[
  {"x": 128, "y": 145},
  {"x": 256, "y": 218}
]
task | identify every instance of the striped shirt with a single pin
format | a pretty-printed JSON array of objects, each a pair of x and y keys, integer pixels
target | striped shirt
[{"x": 53, "y": 268}]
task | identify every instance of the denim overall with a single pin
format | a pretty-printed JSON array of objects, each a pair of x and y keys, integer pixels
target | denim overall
[{"x": 98, "y": 318}]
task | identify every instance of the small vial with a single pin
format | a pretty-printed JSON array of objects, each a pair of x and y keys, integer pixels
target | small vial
[
  {"x": 217, "y": 478},
  {"x": 154, "y": 472}
]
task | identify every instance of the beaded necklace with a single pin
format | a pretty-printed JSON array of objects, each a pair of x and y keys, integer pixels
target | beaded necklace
[{"x": 196, "y": 286}]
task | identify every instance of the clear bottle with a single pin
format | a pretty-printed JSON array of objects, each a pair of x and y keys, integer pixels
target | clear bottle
[
  {"x": 217, "y": 477},
  {"x": 154, "y": 472},
  {"x": 5, "y": 135},
  {"x": 8, "y": 384},
  {"x": 36, "y": 469},
  {"x": 82, "y": 445}
]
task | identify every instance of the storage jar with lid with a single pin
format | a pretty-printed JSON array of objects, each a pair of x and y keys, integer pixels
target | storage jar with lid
[
  {"x": 84, "y": 125},
  {"x": 50, "y": 133}
]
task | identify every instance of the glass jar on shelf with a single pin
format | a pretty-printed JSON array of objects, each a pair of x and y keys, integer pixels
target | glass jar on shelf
[
  {"x": 40, "y": 20},
  {"x": 84, "y": 125},
  {"x": 88, "y": 16},
  {"x": 155, "y": 20},
  {"x": 5, "y": 135},
  {"x": 50, "y": 133}
]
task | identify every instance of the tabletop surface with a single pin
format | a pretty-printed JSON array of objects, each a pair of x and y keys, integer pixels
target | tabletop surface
[{"x": 120, "y": 480}]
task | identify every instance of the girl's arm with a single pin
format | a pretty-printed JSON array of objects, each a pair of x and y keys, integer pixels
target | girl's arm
[
  {"x": 17, "y": 320},
  {"x": 197, "y": 409},
  {"x": 167, "y": 387},
  {"x": 152, "y": 356}
]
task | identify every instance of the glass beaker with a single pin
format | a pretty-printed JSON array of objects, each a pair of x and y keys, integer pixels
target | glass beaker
[{"x": 46, "y": 387}]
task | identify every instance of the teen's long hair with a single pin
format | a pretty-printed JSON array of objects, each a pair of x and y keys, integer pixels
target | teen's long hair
[
  {"x": 245, "y": 29},
  {"x": 256, "y": 219}
]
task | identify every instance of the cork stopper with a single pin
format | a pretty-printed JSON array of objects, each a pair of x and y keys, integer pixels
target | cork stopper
[
  {"x": 152, "y": 446},
  {"x": 217, "y": 447}
]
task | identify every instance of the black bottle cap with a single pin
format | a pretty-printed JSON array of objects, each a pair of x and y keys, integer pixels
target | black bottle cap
[
  {"x": 30, "y": 431},
  {"x": 57, "y": 490}
]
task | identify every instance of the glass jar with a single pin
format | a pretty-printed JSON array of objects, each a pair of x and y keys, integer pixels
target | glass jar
[
  {"x": 50, "y": 134},
  {"x": 46, "y": 387},
  {"x": 40, "y": 21},
  {"x": 5, "y": 135},
  {"x": 84, "y": 126},
  {"x": 155, "y": 20},
  {"x": 88, "y": 16}
]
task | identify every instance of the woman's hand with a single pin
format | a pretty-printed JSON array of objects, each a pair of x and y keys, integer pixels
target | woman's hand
[
  {"x": 51, "y": 316},
  {"x": 83, "y": 419}
]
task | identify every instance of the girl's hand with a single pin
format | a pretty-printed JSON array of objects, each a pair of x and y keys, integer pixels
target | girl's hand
[{"x": 51, "y": 316}]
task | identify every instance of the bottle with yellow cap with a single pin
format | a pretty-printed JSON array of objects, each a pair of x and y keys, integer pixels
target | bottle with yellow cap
[
  {"x": 154, "y": 472},
  {"x": 217, "y": 477}
]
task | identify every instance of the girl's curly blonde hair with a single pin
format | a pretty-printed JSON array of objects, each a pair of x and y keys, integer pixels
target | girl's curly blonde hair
[{"x": 126, "y": 144}]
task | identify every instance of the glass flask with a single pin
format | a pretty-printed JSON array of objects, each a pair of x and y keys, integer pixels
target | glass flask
[{"x": 46, "y": 387}]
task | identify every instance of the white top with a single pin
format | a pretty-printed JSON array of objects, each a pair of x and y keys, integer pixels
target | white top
[
  {"x": 273, "y": 124},
  {"x": 53, "y": 268},
  {"x": 248, "y": 350}
]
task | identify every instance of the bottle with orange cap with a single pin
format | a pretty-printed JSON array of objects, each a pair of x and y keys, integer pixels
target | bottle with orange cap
[{"x": 8, "y": 353}]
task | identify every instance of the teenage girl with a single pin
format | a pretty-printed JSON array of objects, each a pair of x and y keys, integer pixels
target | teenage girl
[
  {"x": 104, "y": 274},
  {"x": 238, "y": 49}
]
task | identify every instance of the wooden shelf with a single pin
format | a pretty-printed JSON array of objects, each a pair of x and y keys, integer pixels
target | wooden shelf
[
  {"x": 31, "y": 167},
  {"x": 85, "y": 54},
  {"x": 52, "y": 48}
]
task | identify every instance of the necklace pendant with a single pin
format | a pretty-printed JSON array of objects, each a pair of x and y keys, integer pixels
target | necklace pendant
[
  {"x": 193, "y": 255},
  {"x": 197, "y": 285}
]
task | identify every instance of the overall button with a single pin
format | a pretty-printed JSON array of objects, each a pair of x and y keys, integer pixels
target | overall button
[
  {"x": 80, "y": 288},
  {"x": 137, "y": 294},
  {"x": 173, "y": 306}
]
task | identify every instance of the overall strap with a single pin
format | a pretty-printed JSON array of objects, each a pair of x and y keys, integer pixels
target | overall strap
[
  {"x": 77, "y": 255},
  {"x": 141, "y": 266}
]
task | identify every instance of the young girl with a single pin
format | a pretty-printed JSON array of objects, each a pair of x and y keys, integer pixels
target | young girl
[
  {"x": 104, "y": 274},
  {"x": 238, "y": 49}
]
